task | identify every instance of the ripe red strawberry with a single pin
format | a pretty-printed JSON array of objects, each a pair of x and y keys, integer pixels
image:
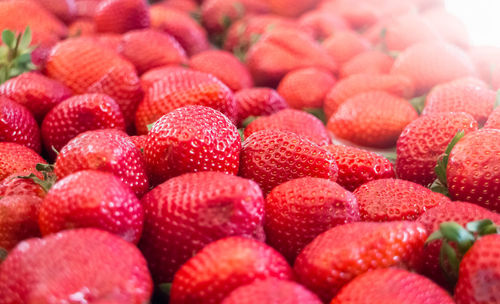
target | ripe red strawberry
[
  {"x": 272, "y": 157},
  {"x": 487, "y": 62},
  {"x": 208, "y": 206},
  {"x": 472, "y": 172},
  {"x": 292, "y": 9},
  {"x": 306, "y": 88},
  {"x": 357, "y": 166},
  {"x": 82, "y": 27},
  {"x": 424, "y": 140},
  {"x": 75, "y": 265},
  {"x": 89, "y": 68},
  {"x": 258, "y": 102},
  {"x": 429, "y": 64},
  {"x": 63, "y": 9},
  {"x": 148, "y": 49},
  {"x": 493, "y": 121},
  {"x": 459, "y": 212},
  {"x": 18, "y": 219},
  {"x": 181, "y": 26},
  {"x": 394, "y": 286},
  {"x": 105, "y": 150},
  {"x": 179, "y": 88},
  {"x": 18, "y": 125},
  {"x": 139, "y": 141},
  {"x": 15, "y": 158},
  {"x": 15, "y": 184},
  {"x": 109, "y": 41},
  {"x": 192, "y": 139},
  {"x": 340, "y": 254},
  {"x": 183, "y": 5},
  {"x": 36, "y": 92},
  {"x": 373, "y": 119},
  {"x": 395, "y": 200},
  {"x": 225, "y": 66},
  {"x": 479, "y": 273},
  {"x": 223, "y": 266},
  {"x": 272, "y": 291},
  {"x": 92, "y": 199},
  {"x": 449, "y": 26},
  {"x": 120, "y": 16},
  {"x": 462, "y": 95},
  {"x": 356, "y": 84},
  {"x": 362, "y": 15},
  {"x": 281, "y": 51},
  {"x": 78, "y": 114},
  {"x": 298, "y": 122},
  {"x": 299, "y": 210},
  {"x": 344, "y": 45},
  {"x": 86, "y": 8},
  {"x": 322, "y": 24},
  {"x": 153, "y": 75},
  {"x": 369, "y": 62}
]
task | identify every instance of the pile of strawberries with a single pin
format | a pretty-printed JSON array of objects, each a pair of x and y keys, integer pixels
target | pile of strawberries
[{"x": 247, "y": 152}]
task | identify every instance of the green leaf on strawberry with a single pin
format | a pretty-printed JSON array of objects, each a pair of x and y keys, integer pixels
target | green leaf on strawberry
[
  {"x": 15, "y": 54},
  {"x": 440, "y": 184}
]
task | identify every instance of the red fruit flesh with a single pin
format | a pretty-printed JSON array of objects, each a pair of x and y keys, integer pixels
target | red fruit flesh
[
  {"x": 15, "y": 158},
  {"x": 18, "y": 219}
]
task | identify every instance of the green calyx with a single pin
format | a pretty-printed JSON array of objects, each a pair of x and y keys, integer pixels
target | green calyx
[
  {"x": 49, "y": 177},
  {"x": 15, "y": 54}
]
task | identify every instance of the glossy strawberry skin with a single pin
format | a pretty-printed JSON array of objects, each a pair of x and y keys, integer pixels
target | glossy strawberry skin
[
  {"x": 272, "y": 157},
  {"x": 392, "y": 285},
  {"x": 15, "y": 158},
  {"x": 479, "y": 273},
  {"x": 76, "y": 115},
  {"x": 92, "y": 199},
  {"x": 271, "y": 291},
  {"x": 369, "y": 62},
  {"x": 258, "y": 102},
  {"x": 340, "y": 254},
  {"x": 192, "y": 139},
  {"x": 18, "y": 219},
  {"x": 299, "y": 210},
  {"x": 223, "y": 266},
  {"x": 180, "y": 88},
  {"x": 298, "y": 122},
  {"x": 36, "y": 92},
  {"x": 18, "y": 125},
  {"x": 14, "y": 184},
  {"x": 120, "y": 16},
  {"x": 459, "y": 212},
  {"x": 139, "y": 141},
  {"x": 472, "y": 172},
  {"x": 357, "y": 166},
  {"x": 206, "y": 206},
  {"x": 373, "y": 119},
  {"x": 103, "y": 266},
  {"x": 105, "y": 150},
  {"x": 395, "y": 200}
]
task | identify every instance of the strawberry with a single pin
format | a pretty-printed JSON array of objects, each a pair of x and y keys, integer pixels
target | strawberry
[
  {"x": 302, "y": 93},
  {"x": 182, "y": 5},
  {"x": 299, "y": 210},
  {"x": 373, "y": 119},
  {"x": 340, "y": 254},
  {"x": 360, "y": 16},
  {"x": 36, "y": 92},
  {"x": 109, "y": 41},
  {"x": 15, "y": 158},
  {"x": 459, "y": 212},
  {"x": 92, "y": 199},
  {"x": 281, "y": 51},
  {"x": 76, "y": 115},
  {"x": 82, "y": 27},
  {"x": 298, "y": 122},
  {"x": 63, "y": 9},
  {"x": 472, "y": 172},
  {"x": 18, "y": 125},
  {"x": 258, "y": 102},
  {"x": 180, "y": 88},
  {"x": 225, "y": 66},
  {"x": 479, "y": 273},
  {"x": 181, "y": 26},
  {"x": 18, "y": 219},
  {"x": 449, "y": 26},
  {"x": 153, "y": 75},
  {"x": 148, "y": 49},
  {"x": 139, "y": 141},
  {"x": 192, "y": 139},
  {"x": 369, "y": 62},
  {"x": 322, "y": 24},
  {"x": 208, "y": 206},
  {"x": 223, "y": 266},
  {"x": 89, "y": 68},
  {"x": 487, "y": 62},
  {"x": 120, "y": 16},
  {"x": 272, "y": 157},
  {"x": 344, "y": 45},
  {"x": 429, "y": 64},
  {"x": 395, "y": 200},
  {"x": 356, "y": 84},
  {"x": 462, "y": 95},
  {"x": 105, "y": 150},
  {"x": 86, "y": 8},
  {"x": 357, "y": 166},
  {"x": 394, "y": 286},
  {"x": 75, "y": 265},
  {"x": 272, "y": 291},
  {"x": 493, "y": 121},
  {"x": 16, "y": 184},
  {"x": 285, "y": 8}
]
